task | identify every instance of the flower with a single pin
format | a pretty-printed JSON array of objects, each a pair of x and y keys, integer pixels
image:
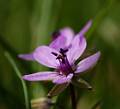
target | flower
[{"x": 61, "y": 54}]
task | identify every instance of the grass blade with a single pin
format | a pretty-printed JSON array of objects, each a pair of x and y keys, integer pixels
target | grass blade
[{"x": 13, "y": 64}]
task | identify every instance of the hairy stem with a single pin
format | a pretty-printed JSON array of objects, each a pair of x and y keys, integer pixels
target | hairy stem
[{"x": 73, "y": 96}]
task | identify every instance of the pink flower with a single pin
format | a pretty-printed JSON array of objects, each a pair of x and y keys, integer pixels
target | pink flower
[{"x": 61, "y": 55}]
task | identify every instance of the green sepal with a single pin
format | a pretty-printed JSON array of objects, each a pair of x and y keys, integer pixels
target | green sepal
[
  {"x": 81, "y": 83},
  {"x": 57, "y": 89}
]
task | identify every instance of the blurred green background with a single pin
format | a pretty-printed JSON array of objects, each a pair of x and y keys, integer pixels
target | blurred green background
[{"x": 25, "y": 24}]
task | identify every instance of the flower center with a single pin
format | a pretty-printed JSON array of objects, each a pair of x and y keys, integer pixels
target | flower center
[{"x": 65, "y": 66}]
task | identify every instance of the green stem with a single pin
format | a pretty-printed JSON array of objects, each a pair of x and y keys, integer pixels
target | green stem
[
  {"x": 20, "y": 77},
  {"x": 73, "y": 97}
]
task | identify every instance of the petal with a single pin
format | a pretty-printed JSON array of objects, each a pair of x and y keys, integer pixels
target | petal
[
  {"x": 68, "y": 33},
  {"x": 87, "y": 63},
  {"x": 85, "y": 28},
  {"x": 63, "y": 79},
  {"x": 43, "y": 55},
  {"x": 77, "y": 48},
  {"x": 58, "y": 43},
  {"x": 78, "y": 44},
  {"x": 28, "y": 57},
  {"x": 63, "y": 40},
  {"x": 40, "y": 76}
]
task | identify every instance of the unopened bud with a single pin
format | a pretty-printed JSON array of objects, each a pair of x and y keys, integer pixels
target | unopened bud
[{"x": 41, "y": 103}]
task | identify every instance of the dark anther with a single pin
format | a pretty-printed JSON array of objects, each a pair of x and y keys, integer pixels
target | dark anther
[
  {"x": 55, "y": 54},
  {"x": 63, "y": 50},
  {"x": 59, "y": 57},
  {"x": 55, "y": 34}
]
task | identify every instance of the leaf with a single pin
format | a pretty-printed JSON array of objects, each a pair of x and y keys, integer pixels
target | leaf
[
  {"x": 57, "y": 89},
  {"x": 10, "y": 59},
  {"x": 82, "y": 84}
]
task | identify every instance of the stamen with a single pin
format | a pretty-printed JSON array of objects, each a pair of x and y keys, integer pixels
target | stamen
[
  {"x": 59, "y": 57},
  {"x": 63, "y": 50},
  {"x": 65, "y": 66},
  {"x": 55, "y": 54}
]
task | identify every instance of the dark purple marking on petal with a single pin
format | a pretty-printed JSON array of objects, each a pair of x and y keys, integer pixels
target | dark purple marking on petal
[{"x": 56, "y": 34}]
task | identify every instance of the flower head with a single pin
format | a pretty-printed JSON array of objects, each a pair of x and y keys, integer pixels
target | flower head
[{"x": 62, "y": 54}]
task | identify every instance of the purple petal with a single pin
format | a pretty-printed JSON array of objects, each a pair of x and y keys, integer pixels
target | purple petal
[
  {"x": 68, "y": 33},
  {"x": 41, "y": 76},
  {"x": 85, "y": 28},
  {"x": 43, "y": 55},
  {"x": 28, "y": 57},
  {"x": 58, "y": 43},
  {"x": 63, "y": 79},
  {"x": 77, "y": 48},
  {"x": 78, "y": 44},
  {"x": 63, "y": 40},
  {"x": 87, "y": 63}
]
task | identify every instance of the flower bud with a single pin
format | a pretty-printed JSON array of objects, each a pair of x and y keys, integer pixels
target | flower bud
[{"x": 41, "y": 103}]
